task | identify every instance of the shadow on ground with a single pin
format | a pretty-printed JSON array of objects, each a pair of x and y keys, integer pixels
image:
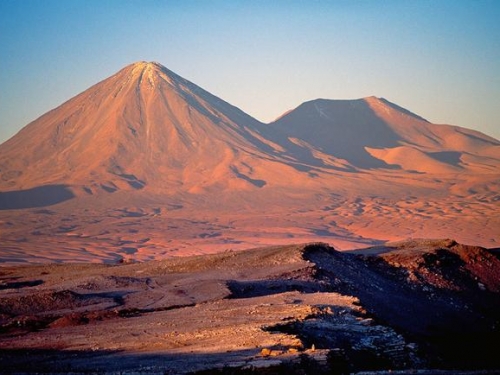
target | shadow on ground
[
  {"x": 239, "y": 362},
  {"x": 40, "y": 196}
]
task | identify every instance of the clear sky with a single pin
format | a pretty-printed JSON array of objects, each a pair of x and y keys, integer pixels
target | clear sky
[{"x": 439, "y": 59}]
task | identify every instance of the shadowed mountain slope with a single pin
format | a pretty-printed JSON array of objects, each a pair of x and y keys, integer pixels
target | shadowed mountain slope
[{"x": 373, "y": 133}]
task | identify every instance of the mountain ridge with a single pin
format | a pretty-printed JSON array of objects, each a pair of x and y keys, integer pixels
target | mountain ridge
[
  {"x": 351, "y": 134},
  {"x": 147, "y": 164},
  {"x": 147, "y": 127},
  {"x": 356, "y": 129}
]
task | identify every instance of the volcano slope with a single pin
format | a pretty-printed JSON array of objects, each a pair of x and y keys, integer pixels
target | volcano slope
[
  {"x": 146, "y": 165},
  {"x": 293, "y": 309}
]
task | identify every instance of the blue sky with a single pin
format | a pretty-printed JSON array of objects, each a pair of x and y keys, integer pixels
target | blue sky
[{"x": 439, "y": 59}]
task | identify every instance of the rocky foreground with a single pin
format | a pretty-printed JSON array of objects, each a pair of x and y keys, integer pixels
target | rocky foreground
[{"x": 410, "y": 307}]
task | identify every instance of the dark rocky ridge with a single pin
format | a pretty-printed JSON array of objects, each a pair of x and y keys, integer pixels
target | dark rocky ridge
[{"x": 415, "y": 305}]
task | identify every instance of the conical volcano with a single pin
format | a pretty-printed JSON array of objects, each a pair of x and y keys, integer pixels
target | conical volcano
[{"x": 143, "y": 127}]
